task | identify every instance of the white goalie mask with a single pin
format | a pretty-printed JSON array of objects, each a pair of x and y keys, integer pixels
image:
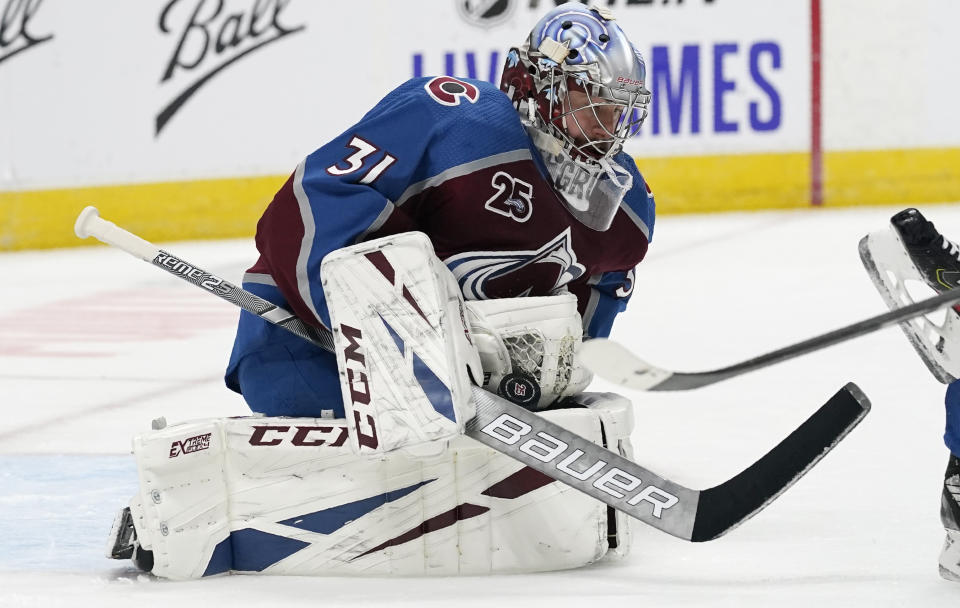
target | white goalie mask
[{"x": 580, "y": 87}]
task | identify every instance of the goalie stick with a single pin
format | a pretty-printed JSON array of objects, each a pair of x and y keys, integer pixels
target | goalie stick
[
  {"x": 693, "y": 515},
  {"x": 616, "y": 363}
]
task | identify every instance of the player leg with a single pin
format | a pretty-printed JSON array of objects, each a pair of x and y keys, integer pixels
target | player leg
[
  {"x": 913, "y": 251},
  {"x": 950, "y": 497}
]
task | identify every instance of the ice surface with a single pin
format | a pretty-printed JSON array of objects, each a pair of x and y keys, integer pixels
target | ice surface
[{"x": 94, "y": 344}]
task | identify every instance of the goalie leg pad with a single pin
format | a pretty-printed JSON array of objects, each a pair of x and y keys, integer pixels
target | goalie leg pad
[
  {"x": 288, "y": 496},
  {"x": 403, "y": 347},
  {"x": 181, "y": 510},
  {"x": 617, "y": 422}
]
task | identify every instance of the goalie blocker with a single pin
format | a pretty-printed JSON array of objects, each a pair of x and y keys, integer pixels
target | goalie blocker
[{"x": 403, "y": 348}]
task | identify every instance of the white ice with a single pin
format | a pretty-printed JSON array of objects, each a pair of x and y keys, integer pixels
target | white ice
[{"x": 94, "y": 344}]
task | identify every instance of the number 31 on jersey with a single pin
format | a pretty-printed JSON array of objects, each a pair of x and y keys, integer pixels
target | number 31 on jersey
[{"x": 360, "y": 160}]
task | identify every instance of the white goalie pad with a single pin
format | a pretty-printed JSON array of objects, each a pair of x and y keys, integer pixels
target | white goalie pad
[
  {"x": 534, "y": 336},
  {"x": 402, "y": 345},
  {"x": 936, "y": 336},
  {"x": 288, "y": 496}
]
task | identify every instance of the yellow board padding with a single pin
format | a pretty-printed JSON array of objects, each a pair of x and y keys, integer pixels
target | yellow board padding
[
  {"x": 889, "y": 177},
  {"x": 743, "y": 182},
  {"x": 199, "y": 209},
  {"x": 747, "y": 182},
  {"x": 230, "y": 207}
]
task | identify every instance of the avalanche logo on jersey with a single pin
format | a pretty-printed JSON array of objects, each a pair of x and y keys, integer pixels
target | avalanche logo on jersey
[
  {"x": 484, "y": 275},
  {"x": 449, "y": 91}
]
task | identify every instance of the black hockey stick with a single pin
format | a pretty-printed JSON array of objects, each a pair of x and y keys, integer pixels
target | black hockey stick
[
  {"x": 616, "y": 363},
  {"x": 694, "y": 515}
]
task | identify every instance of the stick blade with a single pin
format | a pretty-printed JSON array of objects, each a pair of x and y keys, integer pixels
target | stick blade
[
  {"x": 724, "y": 507},
  {"x": 614, "y": 362}
]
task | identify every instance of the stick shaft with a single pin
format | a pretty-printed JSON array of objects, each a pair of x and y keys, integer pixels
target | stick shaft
[
  {"x": 685, "y": 381},
  {"x": 89, "y": 223}
]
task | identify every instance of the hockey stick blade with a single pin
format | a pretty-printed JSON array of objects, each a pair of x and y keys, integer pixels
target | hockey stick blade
[
  {"x": 693, "y": 515},
  {"x": 616, "y": 363},
  {"x": 725, "y": 506},
  {"x": 542, "y": 445}
]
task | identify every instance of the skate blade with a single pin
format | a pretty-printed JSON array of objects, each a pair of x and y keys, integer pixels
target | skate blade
[
  {"x": 948, "y": 575},
  {"x": 120, "y": 543},
  {"x": 950, "y": 556},
  {"x": 886, "y": 261}
]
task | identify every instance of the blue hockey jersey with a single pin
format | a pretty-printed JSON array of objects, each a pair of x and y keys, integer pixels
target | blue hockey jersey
[{"x": 449, "y": 158}]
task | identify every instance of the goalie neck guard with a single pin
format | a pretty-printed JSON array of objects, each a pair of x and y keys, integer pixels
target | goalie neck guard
[{"x": 580, "y": 88}]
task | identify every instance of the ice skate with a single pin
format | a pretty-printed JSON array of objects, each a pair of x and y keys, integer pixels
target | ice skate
[
  {"x": 950, "y": 516},
  {"x": 123, "y": 544},
  {"x": 936, "y": 257},
  {"x": 905, "y": 263}
]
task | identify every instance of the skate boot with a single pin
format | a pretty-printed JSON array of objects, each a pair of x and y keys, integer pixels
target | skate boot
[
  {"x": 937, "y": 258},
  {"x": 123, "y": 543},
  {"x": 910, "y": 262},
  {"x": 950, "y": 516}
]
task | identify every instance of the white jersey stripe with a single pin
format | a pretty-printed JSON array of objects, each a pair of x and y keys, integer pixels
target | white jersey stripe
[
  {"x": 464, "y": 169},
  {"x": 636, "y": 220},
  {"x": 259, "y": 279},
  {"x": 591, "y": 307},
  {"x": 306, "y": 245}
]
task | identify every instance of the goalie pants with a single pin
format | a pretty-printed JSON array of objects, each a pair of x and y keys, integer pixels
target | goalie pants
[{"x": 288, "y": 378}]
